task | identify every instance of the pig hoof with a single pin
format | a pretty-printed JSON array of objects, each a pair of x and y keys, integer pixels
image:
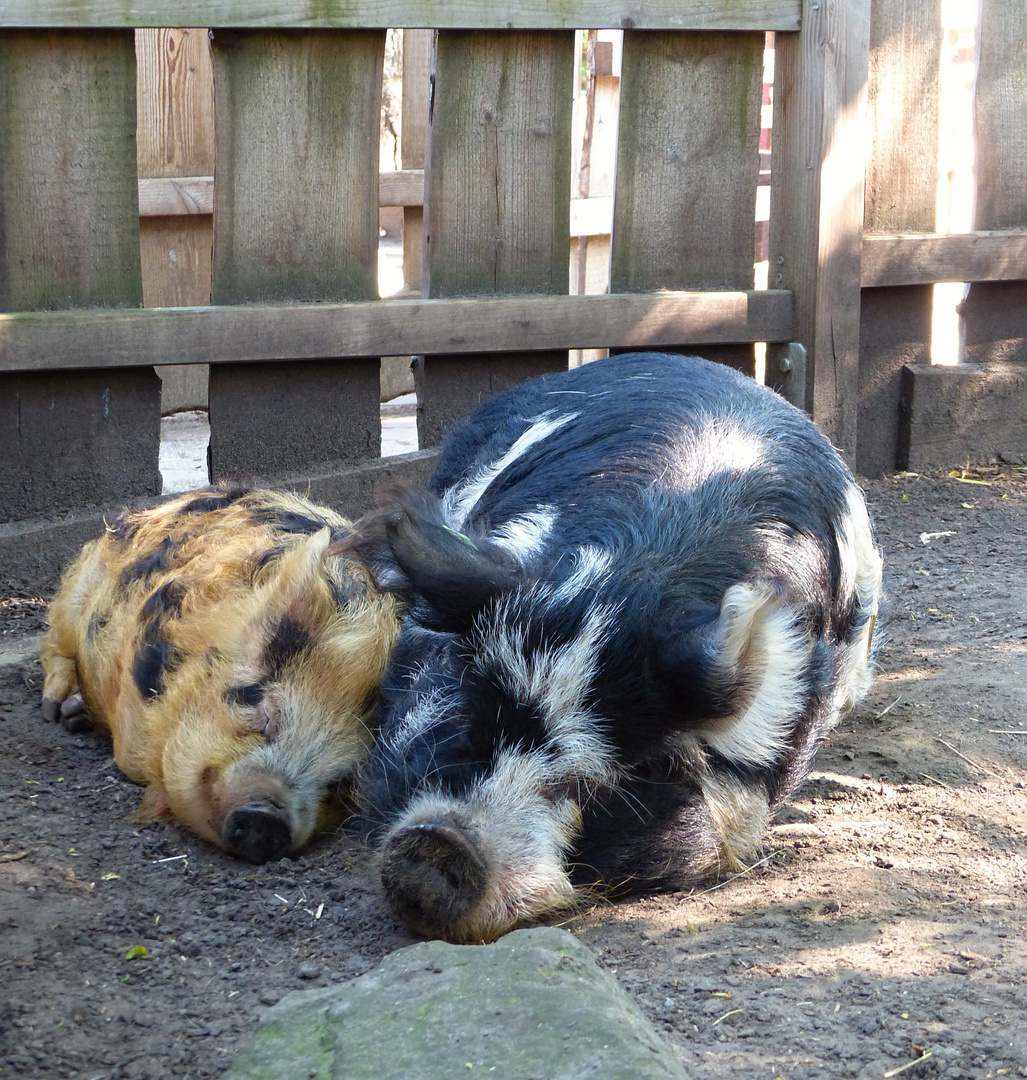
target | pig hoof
[
  {"x": 51, "y": 709},
  {"x": 73, "y": 713},
  {"x": 258, "y": 833},
  {"x": 432, "y": 875}
]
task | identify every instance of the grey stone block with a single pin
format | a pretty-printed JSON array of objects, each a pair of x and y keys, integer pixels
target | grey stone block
[{"x": 533, "y": 1006}]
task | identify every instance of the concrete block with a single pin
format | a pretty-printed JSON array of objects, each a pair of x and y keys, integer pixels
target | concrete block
[{"x": 966, "y": 414}]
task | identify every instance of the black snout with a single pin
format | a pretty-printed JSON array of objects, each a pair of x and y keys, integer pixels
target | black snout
[
  {"x": 258, "y": 832},
  {"x": 432, "y": 875}
]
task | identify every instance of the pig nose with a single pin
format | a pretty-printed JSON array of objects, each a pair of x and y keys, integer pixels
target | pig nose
[
  {"x": 432, "y": 874},
  {"x": 258, "y": 832}
]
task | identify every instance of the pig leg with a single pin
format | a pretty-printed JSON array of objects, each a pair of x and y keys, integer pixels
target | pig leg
[{"x": 62, "y": 698}]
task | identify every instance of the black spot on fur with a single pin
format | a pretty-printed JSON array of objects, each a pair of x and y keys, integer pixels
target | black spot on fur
[
  {"x": 287, "y": 521},
  {"x": 249, "y": 696},
  {"x": 214, "y": 499},
  {"x": 156, "y": 657},
  {"x": 273, "y": 554},
  {"x": 124, "y": 528},
  {"x": 148, "y": 565},
  {"x": 289, "y": 640}
]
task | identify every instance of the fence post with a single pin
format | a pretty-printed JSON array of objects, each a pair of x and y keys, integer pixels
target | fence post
[{"x": 816, "y": 200}]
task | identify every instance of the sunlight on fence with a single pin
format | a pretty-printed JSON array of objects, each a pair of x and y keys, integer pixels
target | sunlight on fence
[{"x": 956, "y": 162}]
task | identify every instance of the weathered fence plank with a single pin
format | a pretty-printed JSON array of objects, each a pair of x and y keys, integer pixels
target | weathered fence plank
[
  {"x": 816, "y": 201},
  {"x": 295, "y": 218},
  {"x": 497, "y": 213},
  {"x": 175, "y": 138},
  {"x": 416, "y": 83},
  {"x": 69, "y": 236},
  {"x": 901, "y": 195},
  {"x": 58, "y": 340},
  {"x": 457, "y": 14},
  {"x": 996, "y": 314},
  {"x": 687, "y": 167},
  {"x": 923, "y": 260}
]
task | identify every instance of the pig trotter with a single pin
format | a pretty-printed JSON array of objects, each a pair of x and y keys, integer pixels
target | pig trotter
[
  {"x": 432, "y": 875},
  {"x": 258, "y": 833},
  {"x": 74, "y": 715}
]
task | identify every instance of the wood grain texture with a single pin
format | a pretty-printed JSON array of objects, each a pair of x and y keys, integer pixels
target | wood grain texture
[
  {"x": 175, "y": 140},
  {"x": 923, "y": 260},
  {"x": 69, "y": 237},
  {"x": 296, "y": 181},
  {"x": 497, "y": 211},
  {"x": 69, "y": 228},
  {"x": 472, "y": 14},
  {"x": 996, "y": 315},
  {"x": 687, "y": 166},
  {"x": 417, "y": 47},
  {"x": 295, "y": 218},
  {"x": 176, "y": 103},
  {"x": 816, "y": 207},
  {"x": 226, "y": 335},
  {"x": 900, "y": 197}
]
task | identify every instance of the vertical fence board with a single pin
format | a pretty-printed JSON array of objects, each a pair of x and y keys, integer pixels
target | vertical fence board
[
  {"x": 69, "y": 237},
  {"x": 176, "y": 138},
  {"x": 996, "y": 314},
  {"x": 416, "y": 84},
  {"x": 497, "y": 211},
  {"x": 295, "y": 218},
  {"x": 900, "y": 197},
  {"x": 816, "y": 201},
  {"x": 687, "y": 167}
]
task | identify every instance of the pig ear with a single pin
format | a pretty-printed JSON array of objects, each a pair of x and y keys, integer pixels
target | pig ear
[
  {"x": 287, "y": 600},
  {"x": 446, "y": 575},
  {"x": 739, "y": 671}
]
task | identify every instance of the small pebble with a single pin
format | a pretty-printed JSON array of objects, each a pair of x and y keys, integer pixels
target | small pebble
[{"x": 309, "y": 970}]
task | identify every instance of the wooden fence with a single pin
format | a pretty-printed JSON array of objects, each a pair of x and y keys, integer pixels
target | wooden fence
[{"x": 294, "y": 328}]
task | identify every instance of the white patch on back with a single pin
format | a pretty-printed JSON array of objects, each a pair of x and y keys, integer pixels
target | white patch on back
[
  {"x": 460, "y": 500},
  {"x": 709, "y": 447},
  {"x": 591, "y": 566},
  {"x": 525, "y": 536},
  {"x": 763, "y": 647}
]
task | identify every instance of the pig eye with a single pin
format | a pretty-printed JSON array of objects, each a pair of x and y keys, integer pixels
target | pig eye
[{"x": 248, "y": 697}]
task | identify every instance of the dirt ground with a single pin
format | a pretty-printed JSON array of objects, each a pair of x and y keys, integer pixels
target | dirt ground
[{"x": 884, "y": 924}]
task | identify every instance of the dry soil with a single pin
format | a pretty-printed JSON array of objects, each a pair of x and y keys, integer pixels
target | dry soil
[{"x": 883, "y": 926}]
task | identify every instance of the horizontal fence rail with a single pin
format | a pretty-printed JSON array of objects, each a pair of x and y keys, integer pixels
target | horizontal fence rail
[
  {"x": 114, "y": 338},
  {"x": 456, "y": 14}
]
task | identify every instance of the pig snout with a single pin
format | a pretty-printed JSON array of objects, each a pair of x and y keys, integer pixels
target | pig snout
[
  {"x": 258, "y": 832},
  {"x": 433, "y": 874}
]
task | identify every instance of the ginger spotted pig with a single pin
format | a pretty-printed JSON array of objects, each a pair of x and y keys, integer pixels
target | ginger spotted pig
[{"x": 233, "y": 658}]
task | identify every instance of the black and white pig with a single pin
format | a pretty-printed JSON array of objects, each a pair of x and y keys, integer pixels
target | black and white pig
[{"x": 640, "y": 593}]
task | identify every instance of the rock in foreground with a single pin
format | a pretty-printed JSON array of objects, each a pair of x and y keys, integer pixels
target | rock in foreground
[{"x": 533, "y": 1005}]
